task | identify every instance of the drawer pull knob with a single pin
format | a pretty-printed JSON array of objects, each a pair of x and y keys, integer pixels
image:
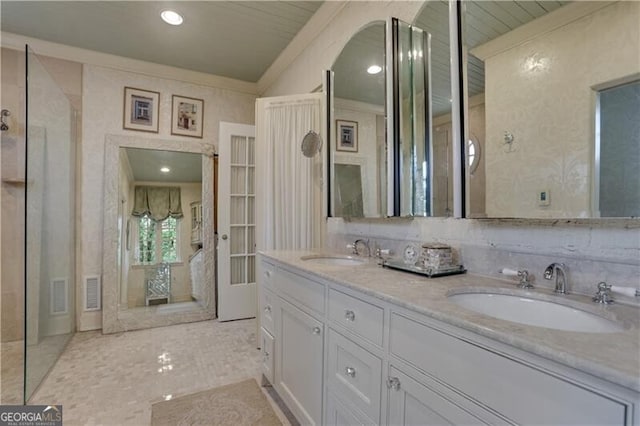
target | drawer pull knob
[
  {"x": 393, "y": 383},
  {"x": 350, "y": 315},
  {"x": 267, "y": 309},
  {"x": 350, "y": 371},
  {"x": 267, "y": 274},
  {"x": 316, "y": 330}
]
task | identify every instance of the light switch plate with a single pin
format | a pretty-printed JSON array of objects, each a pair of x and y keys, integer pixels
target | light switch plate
[{"x": 544, "y": 197}]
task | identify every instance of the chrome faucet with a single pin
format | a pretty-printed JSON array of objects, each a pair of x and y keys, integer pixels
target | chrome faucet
[
  {"x": 365, "y": 243},
  {"x": 559, "y": 269}
]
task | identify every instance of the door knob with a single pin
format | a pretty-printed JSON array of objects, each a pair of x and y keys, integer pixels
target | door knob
[
  {"x": 224, "y": 236},
  {"x": 393, "y": 383},
  {"x": 350, "y": 371},
  {"x": 316, "y": 330}
]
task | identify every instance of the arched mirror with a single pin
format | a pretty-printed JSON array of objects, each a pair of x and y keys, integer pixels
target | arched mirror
[{"x": 358, "y": 160}]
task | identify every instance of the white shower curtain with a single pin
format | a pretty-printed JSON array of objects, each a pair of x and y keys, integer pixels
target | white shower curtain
[{"x": 289, "y": 185}]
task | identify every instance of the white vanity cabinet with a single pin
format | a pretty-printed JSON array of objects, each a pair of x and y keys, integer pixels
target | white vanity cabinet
[
  {"x": 291, "y": 315},
  {"x": 299, "y": 360},
  {"x": 345, "y": 357}
]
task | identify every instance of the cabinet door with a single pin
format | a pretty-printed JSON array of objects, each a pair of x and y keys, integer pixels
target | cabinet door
[
  {"x": 338, "y": 415},
  {"x": 266, "y": 347},
  {"x": 415, "y": 403},
  {"x": 299, "y": 363}
]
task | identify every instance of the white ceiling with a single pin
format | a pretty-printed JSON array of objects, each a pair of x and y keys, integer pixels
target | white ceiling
[
  {"x": 235, "y": 39},
  {"x": 146, "y": 163}
]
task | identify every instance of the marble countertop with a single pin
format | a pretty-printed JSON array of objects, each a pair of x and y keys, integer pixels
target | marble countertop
[{"x": 614, "y": 357}]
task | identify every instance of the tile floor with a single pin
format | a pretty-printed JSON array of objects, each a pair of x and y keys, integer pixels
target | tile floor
[
  {"x": 114, "y": 379},
  {"x": 12, "y": 372}
]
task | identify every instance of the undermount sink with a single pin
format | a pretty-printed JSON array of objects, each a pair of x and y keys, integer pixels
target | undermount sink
[
  {"x": 330, "y": 259},
  {"x": 535, "y": 312}
]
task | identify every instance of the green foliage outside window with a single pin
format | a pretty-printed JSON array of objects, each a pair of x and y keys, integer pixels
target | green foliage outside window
[
  {"x": 170, "y": 240},
  {"x": 157, "y": 241}
]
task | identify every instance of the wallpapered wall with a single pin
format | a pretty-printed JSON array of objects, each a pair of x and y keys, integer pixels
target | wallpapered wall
[
  {"x": 550, "y": 112},
  {"x": 103, "y": 93}
]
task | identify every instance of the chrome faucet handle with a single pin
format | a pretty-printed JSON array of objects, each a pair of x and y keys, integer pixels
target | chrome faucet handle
[
  {"x": 603, "y": 295},
  {"x": 365, "y": 243},
  {"x": 524, "y": 279}
]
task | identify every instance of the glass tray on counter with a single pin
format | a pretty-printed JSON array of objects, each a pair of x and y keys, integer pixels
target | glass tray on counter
[{"x": 427, "y": 272}]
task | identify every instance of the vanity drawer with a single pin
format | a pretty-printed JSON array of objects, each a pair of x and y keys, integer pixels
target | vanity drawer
[
  {"x": 299, "y": 289},
  {"x": 511, "y": 387},
  {"x": 267, "y": 310},
  {"x": 363, "y": 318},
  {"x": 267, "y": 274},
  {"x": 268, "y": 360},
  {"x": 356, "y": 374}
]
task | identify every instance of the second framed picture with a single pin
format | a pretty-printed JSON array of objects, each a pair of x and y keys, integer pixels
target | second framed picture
[
  {"x": 347, "y": 136},
  {"x": 186, "y": 116}
]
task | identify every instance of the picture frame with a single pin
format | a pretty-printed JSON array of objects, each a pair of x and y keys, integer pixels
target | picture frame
[
  {"x": 140, "y": 110},
  {"x": 187, "y": 116},
  {"x": 346, "y": 136}
]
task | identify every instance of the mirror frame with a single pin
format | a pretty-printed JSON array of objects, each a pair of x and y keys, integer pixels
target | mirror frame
[{"x": 113, "y": 318}]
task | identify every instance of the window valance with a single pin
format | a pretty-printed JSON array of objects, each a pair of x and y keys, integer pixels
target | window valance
[{"x": 159, "y": 202}]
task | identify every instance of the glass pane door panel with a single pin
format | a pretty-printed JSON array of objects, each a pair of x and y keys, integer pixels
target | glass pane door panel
[
  {"x": 251, "y": 269},
  {"x": 251, "y": 210},
  {"x": 251, "y": 239},
  {"x": 251, "y": 180},
  {"x": 238, "y": 180},
  {"x": 238, "y": 270},
  {"x": 237, "y": 210},
  {"x": 238, "y": 150},
  {"x": 237, "y": 240},
  {"x": 251, "y": 152}
]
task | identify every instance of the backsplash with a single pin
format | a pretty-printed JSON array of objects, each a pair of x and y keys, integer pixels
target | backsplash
[{"x": 592, "y": 253}]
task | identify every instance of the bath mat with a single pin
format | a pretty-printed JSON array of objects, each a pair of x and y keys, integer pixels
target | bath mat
[{"x": 238, "y": 404}]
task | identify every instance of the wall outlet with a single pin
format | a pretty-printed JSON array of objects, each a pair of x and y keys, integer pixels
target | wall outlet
[{"x": 544, "y": 198}]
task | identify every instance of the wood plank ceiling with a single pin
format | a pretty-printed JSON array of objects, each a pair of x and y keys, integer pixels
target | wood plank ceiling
[{"x": 236, "y": 39}]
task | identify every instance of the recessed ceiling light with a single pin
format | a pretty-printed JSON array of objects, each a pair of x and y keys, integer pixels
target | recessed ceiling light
[
  {"x": 374, "y": 69},
  {"x": 171, "y": 17},
  {"x": 165, "y": 169}
]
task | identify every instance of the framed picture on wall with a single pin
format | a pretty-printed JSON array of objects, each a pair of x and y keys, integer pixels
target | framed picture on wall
[
  {"x": 347, "y": 136},
  {"x": 186, "y": 116},
  {"x": 141, "y": 110}
]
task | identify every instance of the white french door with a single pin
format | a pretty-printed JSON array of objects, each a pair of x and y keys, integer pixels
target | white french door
[{"x": 237, "y": 297}]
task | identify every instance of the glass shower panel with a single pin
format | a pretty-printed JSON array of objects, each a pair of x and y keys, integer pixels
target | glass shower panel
[
  {"x": 12, "y": 202},
  {"x": 50, "y": 222}
]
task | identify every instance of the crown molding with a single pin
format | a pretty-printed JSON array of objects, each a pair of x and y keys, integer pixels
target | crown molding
[
  {"x": 538, "y": 27},
  {"x": 91, "y": 57},
  {"x": 318, "y": 22}
]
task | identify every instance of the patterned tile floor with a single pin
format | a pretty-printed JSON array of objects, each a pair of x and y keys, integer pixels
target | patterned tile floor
[
  {"x": 12, "y": 372},
  {"x": 114, "y": 379}
]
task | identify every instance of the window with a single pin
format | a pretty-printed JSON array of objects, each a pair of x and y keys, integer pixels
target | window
[
  {"x": 157, "y": 242},
  {"x": 473, "y": 154}
]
